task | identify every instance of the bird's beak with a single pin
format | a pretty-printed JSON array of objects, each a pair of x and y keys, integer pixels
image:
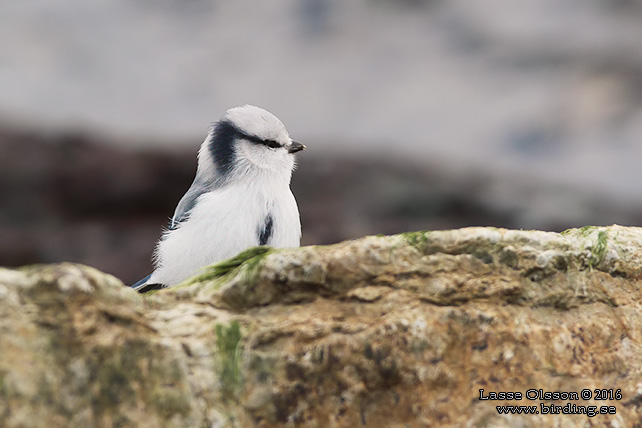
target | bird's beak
[{"x": 295, "y": 147}]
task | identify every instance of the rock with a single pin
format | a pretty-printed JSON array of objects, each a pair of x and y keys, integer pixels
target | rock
[
  {"x": 401, "y": 330},
  {"x": 52, "y": 209}
]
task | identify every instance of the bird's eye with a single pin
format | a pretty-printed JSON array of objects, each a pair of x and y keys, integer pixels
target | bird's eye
[{"x": 272, "y": 144}]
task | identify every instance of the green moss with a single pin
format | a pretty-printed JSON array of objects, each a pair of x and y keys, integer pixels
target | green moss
[
  {"x": 220, "y": 271},
  {"x": 587, "y": 230},
  {"x": 597, "y": 248},
  {"x": 481, "y": 248},
  {"x": 251, "y": 267},
  {"x": 598, "y": 251},
  {"x": 229, "y": 265},
  {"x": 417, "y": 239},
  {"x": 229, "y": 352},
  {"x": 583, "y": 231}
]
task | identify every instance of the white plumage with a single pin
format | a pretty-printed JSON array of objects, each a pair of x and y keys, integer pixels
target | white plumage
[{"x": 240, "y": 197}]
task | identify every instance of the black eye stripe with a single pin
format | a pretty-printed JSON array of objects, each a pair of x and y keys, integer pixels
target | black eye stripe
[
  {"x": 254, "y": 139},
  {"x": 272, "y": 143}
]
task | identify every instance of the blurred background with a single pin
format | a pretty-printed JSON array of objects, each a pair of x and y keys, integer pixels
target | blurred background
[{"x": 417, "y": 114}]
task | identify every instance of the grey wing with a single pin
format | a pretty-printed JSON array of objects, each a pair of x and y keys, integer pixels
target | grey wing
[
  {"x": 187, "y": 203},
  {"x": 206, "y": 180}
]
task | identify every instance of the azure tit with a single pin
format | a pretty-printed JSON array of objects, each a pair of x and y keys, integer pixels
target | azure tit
[{"x": 240, "y": 198}]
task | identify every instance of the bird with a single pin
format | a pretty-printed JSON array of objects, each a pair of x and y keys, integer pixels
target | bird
[{"x": 240, "y": 198}]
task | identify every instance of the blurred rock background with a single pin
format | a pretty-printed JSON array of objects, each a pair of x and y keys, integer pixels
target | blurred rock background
[{"x": 418, "y": 114}]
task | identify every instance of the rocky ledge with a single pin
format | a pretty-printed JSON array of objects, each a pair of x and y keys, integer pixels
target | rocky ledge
[{"x": 386, "y": 331}]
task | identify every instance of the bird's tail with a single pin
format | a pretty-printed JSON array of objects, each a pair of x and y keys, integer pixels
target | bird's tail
[{"x": 143, "y": 286}]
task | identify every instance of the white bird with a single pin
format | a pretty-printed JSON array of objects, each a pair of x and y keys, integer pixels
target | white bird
[{"x": 240, "y": 198}]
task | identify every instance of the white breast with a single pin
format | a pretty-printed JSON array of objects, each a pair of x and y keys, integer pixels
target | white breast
[{"x": 225, "y": 222}]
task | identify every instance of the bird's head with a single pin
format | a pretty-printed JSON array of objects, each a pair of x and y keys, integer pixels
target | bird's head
[{"x": 249, "y": 137}]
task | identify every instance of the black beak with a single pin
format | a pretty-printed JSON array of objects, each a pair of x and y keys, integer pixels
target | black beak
[{"x": 295, "y": 147}]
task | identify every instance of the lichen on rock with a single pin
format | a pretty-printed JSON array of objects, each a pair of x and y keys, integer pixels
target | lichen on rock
[{"x": 397, "y": 330}]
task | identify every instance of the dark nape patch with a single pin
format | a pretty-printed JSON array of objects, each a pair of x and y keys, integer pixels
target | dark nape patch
[
  {"x": 266, "y": 232},
  {"x": 221, "y": 146}
]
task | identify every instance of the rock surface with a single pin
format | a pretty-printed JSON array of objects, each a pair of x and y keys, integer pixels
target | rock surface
[
  {"x": 67, "y": 204},
  {"x": 382, "y": 331}
]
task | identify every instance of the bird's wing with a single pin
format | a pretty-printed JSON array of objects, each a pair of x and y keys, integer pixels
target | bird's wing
[
  {"x": 187, "y": 203},
  {"x": 207, "y": 178}
]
